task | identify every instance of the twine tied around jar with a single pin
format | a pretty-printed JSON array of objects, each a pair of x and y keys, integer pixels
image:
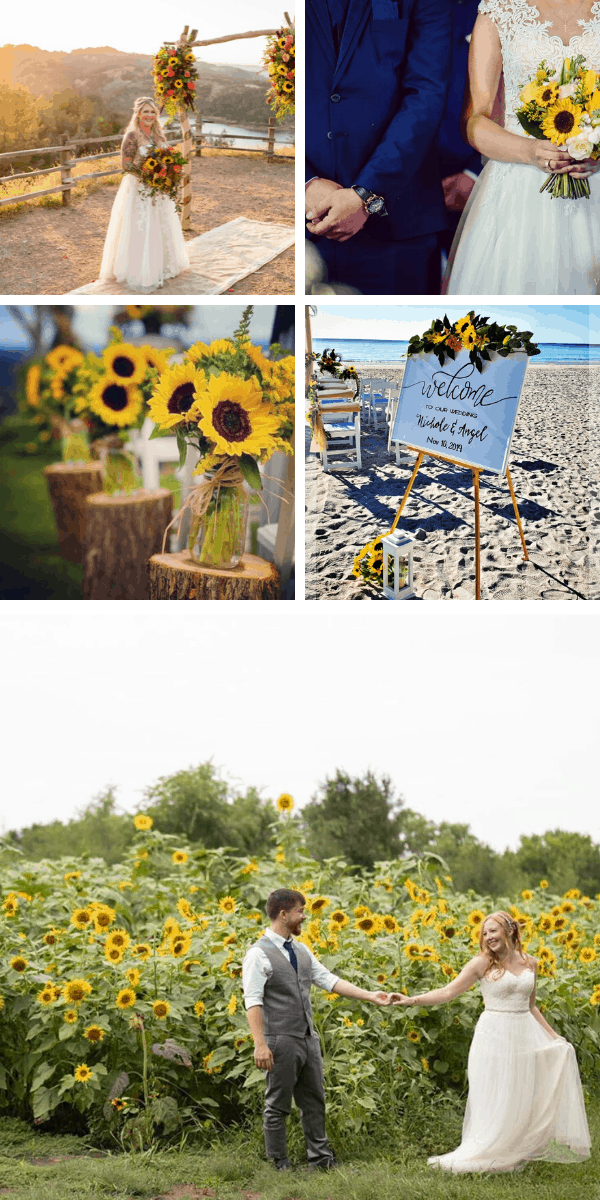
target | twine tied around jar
[{"x": 227, "y": 475}]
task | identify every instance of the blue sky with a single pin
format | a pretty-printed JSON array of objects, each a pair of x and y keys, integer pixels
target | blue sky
[{"x": 565, "y": 323}]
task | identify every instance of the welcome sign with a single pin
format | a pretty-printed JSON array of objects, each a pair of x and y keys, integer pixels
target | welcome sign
[{"x": 459, "y": 412}]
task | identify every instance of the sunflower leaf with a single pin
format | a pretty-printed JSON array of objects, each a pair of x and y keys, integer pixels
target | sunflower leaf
[
  {"x": 250, "y": 471},
  {"x": 157, "y": 432},
  {"x": 182, "y": 447}
]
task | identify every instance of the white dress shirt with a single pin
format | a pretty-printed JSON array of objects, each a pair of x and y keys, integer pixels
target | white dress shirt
[{"x": 256, "y": 969}]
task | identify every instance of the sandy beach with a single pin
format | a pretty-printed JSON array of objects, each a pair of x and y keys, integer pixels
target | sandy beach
[{"x": 554, "y": 466}]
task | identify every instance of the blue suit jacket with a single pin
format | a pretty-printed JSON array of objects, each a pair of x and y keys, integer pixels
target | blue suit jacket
[
  {"x": 455, "y": 153},
  {"x": 373, "y": 113}
]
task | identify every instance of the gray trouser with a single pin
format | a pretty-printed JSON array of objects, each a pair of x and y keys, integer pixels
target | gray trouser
[{"x": 298, "y": 1073}]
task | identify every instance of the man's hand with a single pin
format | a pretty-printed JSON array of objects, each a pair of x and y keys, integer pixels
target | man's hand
[
  {"x": 263, "y": 1057},
  {"x": 317, "y": 196},
  {"x": 380, "y": 998},
  {"x": 345, "y": 217},
  {"x": 457, "y": 189},
  {"x": 400, "y": 998}
]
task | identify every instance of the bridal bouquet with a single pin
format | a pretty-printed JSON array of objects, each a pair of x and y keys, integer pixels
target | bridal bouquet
[
  {"x": 175, "y": 75},
  {"x": 235, "y": 406},
  {"x": 279, "y": 59},
  {"x": 564, "y": 108},
  {"x": 160, "y": 173}
]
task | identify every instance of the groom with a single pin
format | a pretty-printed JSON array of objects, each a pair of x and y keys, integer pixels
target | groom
[
  {"x": 377, "y": 76},
  {"x": 277, "y": 975}
]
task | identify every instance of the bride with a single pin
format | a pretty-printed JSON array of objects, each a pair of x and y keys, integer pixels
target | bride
[
  {"x": 511, "y": 239},
  {"x": 144, "y": 244},
  {"x": 525, "y": 1100}
]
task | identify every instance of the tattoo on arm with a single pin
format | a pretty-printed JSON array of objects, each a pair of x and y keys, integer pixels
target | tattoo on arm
[{"x": 128, "y": 149}]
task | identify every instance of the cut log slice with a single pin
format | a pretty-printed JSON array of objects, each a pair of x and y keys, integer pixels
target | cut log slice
[
  {"x": 69, "y": 487},
  {"x": 121, "y": 535},
  {"x": 177, "y": 577}
]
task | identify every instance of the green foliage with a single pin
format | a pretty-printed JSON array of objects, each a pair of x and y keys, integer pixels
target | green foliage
[{"x": 356, "y": 818}]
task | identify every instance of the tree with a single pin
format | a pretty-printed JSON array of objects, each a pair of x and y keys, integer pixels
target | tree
[
  {"x": 19, "y": 114},
  {"x": 358, "y": 819},
  {"x": 566, "y": 860},
  {"x": 98, "y": 831},
  {"x": 196, "y": 804}
]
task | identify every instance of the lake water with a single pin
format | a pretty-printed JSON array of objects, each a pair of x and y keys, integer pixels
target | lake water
[
  {"x": 221, "y": 129},
  {"x": 353, "y": 350}
]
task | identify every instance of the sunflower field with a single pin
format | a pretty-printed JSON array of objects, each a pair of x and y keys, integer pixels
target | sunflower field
[{"x": 121, "y": 1006}]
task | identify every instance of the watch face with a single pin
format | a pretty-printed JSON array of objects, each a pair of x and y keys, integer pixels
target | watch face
[{"x": 375, "y": 205}]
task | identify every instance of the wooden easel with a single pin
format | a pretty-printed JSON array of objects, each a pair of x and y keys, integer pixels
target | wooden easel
[
  {"x": 475, "y": 474},
  {"x": 189, "y": 40}
]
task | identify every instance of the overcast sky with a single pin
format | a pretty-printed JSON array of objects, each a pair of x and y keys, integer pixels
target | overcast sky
[
  {"x": 481, "y": 718},
  {"x": 566, "y": 323},
  {"x": 141, "y": 28}
]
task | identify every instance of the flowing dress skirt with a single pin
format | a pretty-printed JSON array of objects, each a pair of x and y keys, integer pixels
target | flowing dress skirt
[
  {"x": 144, "y": 244},
  {"x": 512, "y": 240},
  {"x": 525, "y": 1099}
]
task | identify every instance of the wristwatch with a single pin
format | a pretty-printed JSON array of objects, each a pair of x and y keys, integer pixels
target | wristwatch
[{"x": 375, "y": 205}]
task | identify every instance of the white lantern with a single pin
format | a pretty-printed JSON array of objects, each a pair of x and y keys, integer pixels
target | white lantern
[{"x": 398, "y": 556}]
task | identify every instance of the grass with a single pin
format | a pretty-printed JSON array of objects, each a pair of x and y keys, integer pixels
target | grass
[
  {"x": 234, "y": 1169},
  {"x": 22, "y": 187}
]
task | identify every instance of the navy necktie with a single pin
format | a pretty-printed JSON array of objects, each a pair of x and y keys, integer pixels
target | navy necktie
[{"x": 292, "y": 953}]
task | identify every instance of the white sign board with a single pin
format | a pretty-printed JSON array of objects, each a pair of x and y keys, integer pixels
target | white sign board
[{"x": 458, "y": 412}]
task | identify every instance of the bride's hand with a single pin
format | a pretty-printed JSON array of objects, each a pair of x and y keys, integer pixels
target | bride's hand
[
  {"x": 584, "y": 167},
  {"x": 399, "y": 998},
  {"x": 550, "y": 159}
]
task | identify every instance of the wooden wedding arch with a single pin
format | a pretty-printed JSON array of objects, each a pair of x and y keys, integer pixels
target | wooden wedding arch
[{"x": 188, "y": 40}]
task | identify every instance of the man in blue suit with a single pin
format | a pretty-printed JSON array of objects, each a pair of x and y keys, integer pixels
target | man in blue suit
[
  {"x": 377, "y": 76},
  {"x": 460, "y": 164}
]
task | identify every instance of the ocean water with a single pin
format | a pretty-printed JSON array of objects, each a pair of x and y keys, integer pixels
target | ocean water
[{"x": 353, "y": 350}]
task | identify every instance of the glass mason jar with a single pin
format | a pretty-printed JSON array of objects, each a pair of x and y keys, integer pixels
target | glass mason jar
[
  {"x": 75, "y": 443},
  {"x": 218, "y": 537},
  {"x": 118, "y": 466}
]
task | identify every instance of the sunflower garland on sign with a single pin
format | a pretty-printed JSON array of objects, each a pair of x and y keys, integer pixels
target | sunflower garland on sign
[
  {"x": 279, "y": 59},
  {"x": 564, "y": 108},
  {"x": 474, "y": 333},
  {"x": 235, "y": 406}
]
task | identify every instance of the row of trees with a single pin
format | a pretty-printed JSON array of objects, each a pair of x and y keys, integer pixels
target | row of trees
[
  {"x": 26, "y": 120},
  {"x": 361, "y": 819}
]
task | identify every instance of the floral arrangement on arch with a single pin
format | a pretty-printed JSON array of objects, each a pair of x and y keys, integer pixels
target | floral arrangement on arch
[
  {"x": 160, "y": 173},
  {"x": 564, "y": 108},
  {"x": 175, "y": 75},
  {"x": 477, "y": 334},
  {"x": 279, "y": 59}
]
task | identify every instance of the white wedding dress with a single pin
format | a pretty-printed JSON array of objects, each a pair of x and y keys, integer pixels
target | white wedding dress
[
  {"x": 144, "y": 244},
  {"x": 525, "y": 1100},
  {"x": 512, "y": 239}
]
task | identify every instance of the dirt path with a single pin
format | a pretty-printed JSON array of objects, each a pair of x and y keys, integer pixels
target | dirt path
[{"x": 51, "y": 251}]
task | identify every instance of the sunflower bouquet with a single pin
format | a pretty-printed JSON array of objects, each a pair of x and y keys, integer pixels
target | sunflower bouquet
[
  {"x": 235, "y": 406},
  {"x": 564, "y": 108},
  {"x": 160, "y": 173},
  {"x": 48, "y": 404},
  {"x": 175, "y": 75},
  {"x": 279, "y": 59},
  {"x": 474, "y": 333},
  {"x": 331, "y": 362}
]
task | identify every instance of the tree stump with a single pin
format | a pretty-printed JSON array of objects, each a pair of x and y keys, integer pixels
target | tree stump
[
  {"x": 177, "y": 577},
  {"x": 121, "y": 534},
  {"x": 69, "y": 487}
]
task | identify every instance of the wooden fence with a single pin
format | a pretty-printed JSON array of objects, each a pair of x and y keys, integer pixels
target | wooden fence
[{"x": 66, "y": 163}]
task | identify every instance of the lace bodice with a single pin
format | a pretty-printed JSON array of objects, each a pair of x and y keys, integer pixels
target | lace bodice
[
  {"x": 526, "y": 41},
  {"x": 509, "y": 993}
]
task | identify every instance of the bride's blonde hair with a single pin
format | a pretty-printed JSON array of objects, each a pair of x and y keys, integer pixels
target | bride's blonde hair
[
  {"x": 156, "y": 130},
  {"x": 513, "y": 937}
]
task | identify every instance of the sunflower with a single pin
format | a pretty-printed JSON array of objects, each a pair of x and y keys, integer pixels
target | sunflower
[
  {"x": 361, "y": 910},
  {"x": 142, "y": 950},
  {"x": 447, "y": 931},
  {"x": 562, "y": 121},
  {"x": 469, "y": 337},
  {"x": 115, "y": 403},
  {"x": 64, "y": 358},
  {"x": 46, "y": 996},
  {"x": 113, "y": 954},
  {"x": 390, "y": 924},
  {"x": 526, "y": 894},
  {"x": 425, "y": 1064},
  {"x": 365, "y": 924},
  {"x": 142, "y": 822},
  {"x": 51, "y": 937},
  {"x": 448, "y": 971},
  {"x": 414, "y": 1036},
  {"x": 75, "y": 990},
  {"x": 181, "y": 944},
  {"x": 316, "y": 903},
  {"x": 587, "y": 955},
  {"x": 11, "y": 906},
  {"x": 179, "y": 857},
  {"x": 173, "y": 62},
  {"x": 567, "y": 907},
  {"x": 546, "y": 94},
  {"x": 161, "y": 1009},
  {"x": 83, "y": 1073},
  {"x": 185, "y": 909},
  {"x": 232, "y": 1006},
  {"x": 200, "y": 350},
  {"x": 232, "y": 414},
  {"x": 462, "y": 324},
  {"x": 178, "y": 84},
  {"x": 287, "y": 87},
  {"x": 18, "y": 964},
  {"x": 126, "y": 998},
  {"x": 81, "y": 917},
  {"x": 338, "y": 919},
  {"x": 199, "y": 1008},
  {"x": 103, "y": 917},
  {"x": 227, "y": 904},
  {"x": 475, "y": 918},
  {"x": 176, "y": 393},
  {"x": 285, "y": 802},
  {"x": 32, "y": 385},
  {"x": 94, "y": 1033},
  {"x": 71, "y": 876},
  {"x": 125, "y": 363},
  {"x": 412, "y": 950},
  {"x": 119, "y": 1104},
  {"x": 120, "y": 939}
]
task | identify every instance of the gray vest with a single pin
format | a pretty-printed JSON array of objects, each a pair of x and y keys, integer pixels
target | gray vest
[{"x": 286, "y": 999}]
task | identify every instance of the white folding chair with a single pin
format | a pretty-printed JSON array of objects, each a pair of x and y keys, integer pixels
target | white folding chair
[{"x": 340, "y": 426}]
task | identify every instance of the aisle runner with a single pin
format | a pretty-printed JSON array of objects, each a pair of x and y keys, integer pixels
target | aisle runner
[{"x": 218, "y": 259}]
